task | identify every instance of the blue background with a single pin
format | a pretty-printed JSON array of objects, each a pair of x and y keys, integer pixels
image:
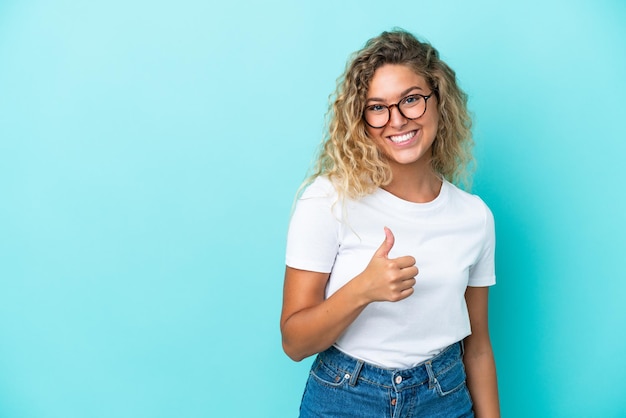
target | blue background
[{"x": 150, "y": 152}]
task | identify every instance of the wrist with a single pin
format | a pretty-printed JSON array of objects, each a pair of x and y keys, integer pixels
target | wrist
[{"x": 358, "y": 291}]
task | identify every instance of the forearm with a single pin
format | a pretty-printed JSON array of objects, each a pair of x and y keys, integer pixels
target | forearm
[
  {"x": 482, "y": 382},
  {"x": 310, "y": 323},
  {"x": 312, "y": 330}
]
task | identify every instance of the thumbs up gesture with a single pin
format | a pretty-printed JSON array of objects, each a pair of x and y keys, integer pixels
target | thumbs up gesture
[{"x": 388, "y": 279}]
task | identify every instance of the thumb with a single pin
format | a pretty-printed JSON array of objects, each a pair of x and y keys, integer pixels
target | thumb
[{"x": 387, "y": 245}]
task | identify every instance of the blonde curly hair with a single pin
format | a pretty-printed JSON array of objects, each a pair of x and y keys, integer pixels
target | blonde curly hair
[{"x": 351, "y": 159}]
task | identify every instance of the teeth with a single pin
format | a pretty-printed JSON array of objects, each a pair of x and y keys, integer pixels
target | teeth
[{"x": 402, "y": 138}]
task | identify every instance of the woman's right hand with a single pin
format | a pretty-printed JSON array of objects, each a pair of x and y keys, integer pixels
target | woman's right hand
[{"x": 387, "y": 279}]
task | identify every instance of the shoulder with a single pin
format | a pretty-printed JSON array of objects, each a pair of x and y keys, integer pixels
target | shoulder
[
  {"x": 468, "y": 202},
  {"x": 319, "y": 198},
  {"x": 320, "y": 187}
]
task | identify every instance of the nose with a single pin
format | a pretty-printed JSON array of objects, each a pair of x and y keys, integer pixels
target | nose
[{"x": 396, "y": 119}]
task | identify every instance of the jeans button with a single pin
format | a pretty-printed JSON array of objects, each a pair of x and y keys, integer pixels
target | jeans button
[{"x": 398, "y": 380}]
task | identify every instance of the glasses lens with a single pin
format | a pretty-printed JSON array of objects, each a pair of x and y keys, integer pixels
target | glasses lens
[
  {"x": 376, "y": 115},
  {"x": 412, "y": 107}
]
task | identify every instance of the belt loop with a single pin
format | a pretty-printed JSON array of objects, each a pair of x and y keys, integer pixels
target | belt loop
[
  {"x": 431, "y": 375},
  {"x": 462, "y": 348},
  {"x": 356, "y": 372}
]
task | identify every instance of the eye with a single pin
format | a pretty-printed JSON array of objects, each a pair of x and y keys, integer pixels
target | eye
[
  {"x": 412, "y": 99},
  {"x": 375, "y": 108}
]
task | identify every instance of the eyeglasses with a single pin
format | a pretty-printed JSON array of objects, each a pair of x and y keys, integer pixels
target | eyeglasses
[{"x": 410, "y": 107}]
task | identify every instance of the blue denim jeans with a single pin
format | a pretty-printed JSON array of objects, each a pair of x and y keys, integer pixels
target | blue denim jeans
[{"x": 342, "y": 386}]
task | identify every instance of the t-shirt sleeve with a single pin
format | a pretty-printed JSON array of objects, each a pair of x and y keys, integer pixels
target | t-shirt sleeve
[
  {"x": 313, "y": 237},
  {"x": 483, "y": 272}
]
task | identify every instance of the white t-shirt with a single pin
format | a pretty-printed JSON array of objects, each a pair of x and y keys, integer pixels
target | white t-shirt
[{"x": 452, "y": 239}]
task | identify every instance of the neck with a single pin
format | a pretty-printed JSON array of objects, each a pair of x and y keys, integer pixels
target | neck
[{"x": 413, "y": 184}]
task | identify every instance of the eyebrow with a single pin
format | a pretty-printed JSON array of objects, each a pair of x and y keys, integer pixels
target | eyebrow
[{"x": 402, "y": 94}]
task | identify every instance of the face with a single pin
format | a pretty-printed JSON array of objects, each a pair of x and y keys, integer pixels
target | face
[{"x": 403, "y": 141}]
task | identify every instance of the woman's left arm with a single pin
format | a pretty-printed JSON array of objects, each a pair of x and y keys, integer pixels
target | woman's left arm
[{"x": 478, "y": 359}]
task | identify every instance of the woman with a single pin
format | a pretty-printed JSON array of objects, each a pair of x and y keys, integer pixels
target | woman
[{"x": 400, "y": 327}]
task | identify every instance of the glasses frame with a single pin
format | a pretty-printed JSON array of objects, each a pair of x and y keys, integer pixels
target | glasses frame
[{"x": 397, "y": 106}]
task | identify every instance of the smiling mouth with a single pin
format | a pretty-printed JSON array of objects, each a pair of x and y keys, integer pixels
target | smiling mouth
[{"x": 397, "y": 139}]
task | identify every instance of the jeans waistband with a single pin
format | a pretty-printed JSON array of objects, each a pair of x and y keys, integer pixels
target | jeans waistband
[{"x": 398, "y": 379}]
